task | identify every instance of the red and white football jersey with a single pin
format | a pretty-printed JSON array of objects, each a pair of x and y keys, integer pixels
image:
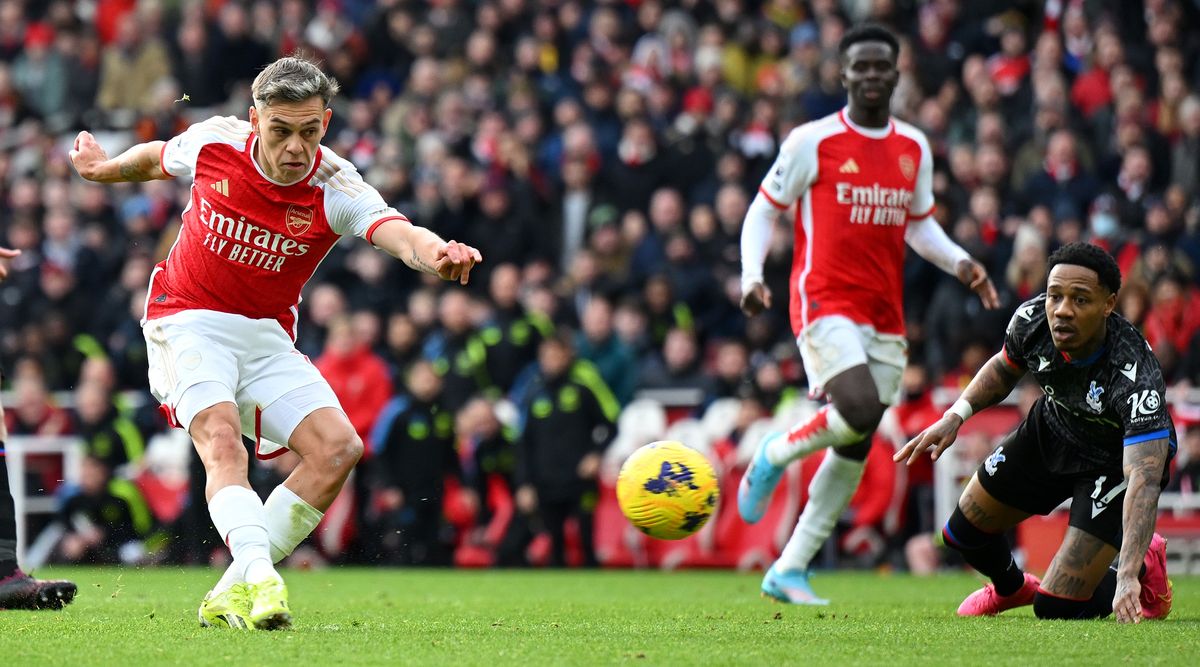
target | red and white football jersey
[
  {"x": 248, "y": 244},
  {"x": 857, "y": 189}
]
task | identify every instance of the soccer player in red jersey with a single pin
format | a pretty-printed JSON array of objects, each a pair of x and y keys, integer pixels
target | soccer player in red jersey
[
  {"x": 17, "y": 589},
  {"x": 861, "y": 182},
  {"x": 268, "y": 203}
]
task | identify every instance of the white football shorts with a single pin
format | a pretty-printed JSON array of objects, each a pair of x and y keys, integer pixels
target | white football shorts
[
  {"x": 834, "y": 343},
  {"x": 199, "y": 358}
]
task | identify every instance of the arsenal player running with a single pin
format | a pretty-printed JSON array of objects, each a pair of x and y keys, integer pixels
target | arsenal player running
[
  {"x": 268, "y": 202},
  {"x": 861, "y": 182}
]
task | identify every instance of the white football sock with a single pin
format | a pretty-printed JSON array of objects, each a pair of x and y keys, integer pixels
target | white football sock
[
  {"x": 827, "y": 428},
  {"x": 233, "y": 575},
  {"x": 237, "y": 513},
  {"x": 828, "y": 494},
  {"x": 289, "y": 520}
]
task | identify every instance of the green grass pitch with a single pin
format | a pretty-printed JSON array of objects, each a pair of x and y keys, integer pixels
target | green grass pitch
[{"x": 144, "y": 618}]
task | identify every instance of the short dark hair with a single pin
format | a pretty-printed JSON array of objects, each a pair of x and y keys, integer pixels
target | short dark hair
[
  {"x": 868, "y": 32},
  {"x": 1089, "y": 256}
]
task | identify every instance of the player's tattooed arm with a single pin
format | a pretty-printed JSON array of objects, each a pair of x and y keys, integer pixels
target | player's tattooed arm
[
  {"x": 422, "y": 250},
  {"x": 989, "y": 386},
  {"x": 992, "y": 383},
  {"x": 142, "y": 162},
  {"x": 415, "y": 262},
  {"x": 1143, "y": 464}
]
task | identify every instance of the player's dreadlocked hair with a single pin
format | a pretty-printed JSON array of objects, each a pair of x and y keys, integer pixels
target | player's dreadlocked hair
[
  {"x": 292, "y": 79},
  {"x": 868, "y": 32},
  {"x": 1092, "y": 257}
]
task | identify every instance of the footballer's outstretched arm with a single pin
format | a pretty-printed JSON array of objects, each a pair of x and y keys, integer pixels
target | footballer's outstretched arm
[
  {"x": 424, "y": 251},
  {"x": 927, "y": 238},
  {"x": 990, "y": 385},
  {"x": 142, "y": 162},
  {"x": 1143, "y": 464}
]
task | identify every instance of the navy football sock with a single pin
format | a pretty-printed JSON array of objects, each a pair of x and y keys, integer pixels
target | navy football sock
[{"x": 988, "y": 553}]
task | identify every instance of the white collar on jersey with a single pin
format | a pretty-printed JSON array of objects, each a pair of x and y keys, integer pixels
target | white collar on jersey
[
  {"x": 869, "y": 132},
  {"x": 253, "y": 143}
]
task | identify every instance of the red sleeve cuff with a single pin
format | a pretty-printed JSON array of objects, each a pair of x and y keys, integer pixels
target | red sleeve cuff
[
  {"x": 924, "y": 215},
  {"x": 162, "y": 165},
  {"x": 771, "y": 199},
  {"x": 1008, "y": 360},
  {"x": 375, "y": 225}
]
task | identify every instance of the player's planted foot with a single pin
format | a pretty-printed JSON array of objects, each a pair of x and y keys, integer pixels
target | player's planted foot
[
  {"x": 759, "y": 482},
  {"x": 269, "y": 605},
  {"x": 1157, "y": 590},
  {"x": 986, "y": 602},
  {"x": 227, "y": 609},
  {"x": 790, "y": 586},
  {"x": 21, "y": 591}
]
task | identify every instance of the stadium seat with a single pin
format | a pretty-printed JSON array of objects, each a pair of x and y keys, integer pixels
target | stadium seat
[
  {"x": 720, "y": 418},
  {"x": 690, "y": 432}
]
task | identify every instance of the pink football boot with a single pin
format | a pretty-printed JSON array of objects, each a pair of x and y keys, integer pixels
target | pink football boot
[
  {"x": 1156, "y": 588},
  {"x": 985, "y": 601}
]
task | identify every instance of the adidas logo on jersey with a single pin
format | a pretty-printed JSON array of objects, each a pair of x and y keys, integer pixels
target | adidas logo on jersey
[
  {"x": 849, "y": 167},
  {"x": 222, "y": 186}
]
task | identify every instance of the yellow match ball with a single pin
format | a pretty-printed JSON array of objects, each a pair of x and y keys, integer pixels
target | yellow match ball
[{"x": 667, "y": 490}]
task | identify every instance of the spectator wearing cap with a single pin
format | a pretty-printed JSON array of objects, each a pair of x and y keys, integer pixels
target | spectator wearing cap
[{"x": 40, "y": 72}]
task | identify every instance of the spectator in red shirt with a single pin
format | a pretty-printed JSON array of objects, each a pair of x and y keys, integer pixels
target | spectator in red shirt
[
  {"x": 1173, "y": 320},
  {"x": 360, "y": 378},
  {"x": 1092, "y": 91}
]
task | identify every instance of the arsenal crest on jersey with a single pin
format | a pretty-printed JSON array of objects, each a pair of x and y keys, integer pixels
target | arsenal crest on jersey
[
  {"x": 908, "y": 167},
  {"x": 298, "y": 219}
]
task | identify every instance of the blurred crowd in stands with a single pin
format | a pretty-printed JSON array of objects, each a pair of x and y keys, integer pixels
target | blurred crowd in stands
[{"x": 601, "y": 155}]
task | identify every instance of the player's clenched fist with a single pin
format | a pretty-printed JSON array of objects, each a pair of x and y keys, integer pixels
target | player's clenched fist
[
  {"x": 454, "y": 261},
  {"x": 756, "y": 299},
  {"x": 86, "y": 155}
]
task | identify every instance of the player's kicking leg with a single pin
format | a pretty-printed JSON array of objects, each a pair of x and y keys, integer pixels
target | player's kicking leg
[
  {"x": 845, "y": 426},
  {"x": 329, "y": 449}
]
